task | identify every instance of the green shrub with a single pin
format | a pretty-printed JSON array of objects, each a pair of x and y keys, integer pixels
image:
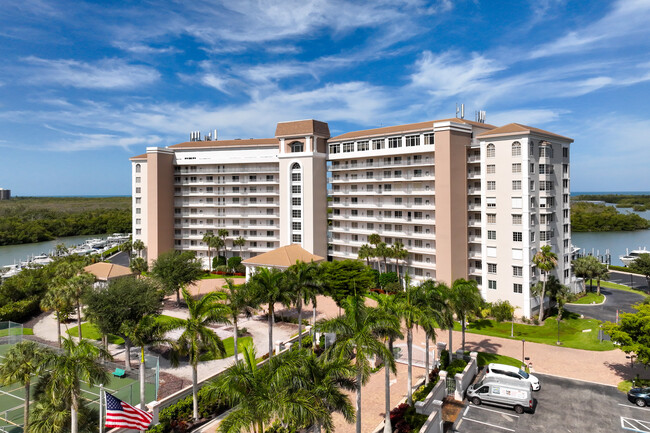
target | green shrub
[
  {"x": 233, "y": 262},
  {"x": 178, "y": 417},
  {"x": 221, "y": 261},
  {"x": 619, "y": 268},
  {"x": 457, "y": 366},
  {"x": 222, "y": 269},
  {"x": 20, "y": 311},
  {"x": 444, "y": 359},
  {"x": 424, "y": 390},
  {"x": 386, "y": 278},
  {"x": 240, "y": 269}
]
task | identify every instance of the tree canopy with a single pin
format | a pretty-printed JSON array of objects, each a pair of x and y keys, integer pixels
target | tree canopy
[
  {"x": 175, "y": 270},
  {"x": 641, "y": 265},
  {"x": 343, "y": 278},
  {"x": 632, "y": 332}
]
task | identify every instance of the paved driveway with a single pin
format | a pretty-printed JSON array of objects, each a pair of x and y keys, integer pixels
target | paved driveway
[
  {"x": 616, "y": 300},
  {"x": 638, "y": 282},
  {"x": 563, "y": 405}
]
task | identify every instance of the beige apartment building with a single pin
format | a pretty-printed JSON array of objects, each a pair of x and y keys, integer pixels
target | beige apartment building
[{"x": 467, "y": 199}]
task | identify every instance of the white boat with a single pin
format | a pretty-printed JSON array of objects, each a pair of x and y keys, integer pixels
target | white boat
[
  {"x": 9, "y": 271},
  {"x": 118, "y": 237},
  {"x": 96, "y": 243},
  {"x": 631, "y": 256}
]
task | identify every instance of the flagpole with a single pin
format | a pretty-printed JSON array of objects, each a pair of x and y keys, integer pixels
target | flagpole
[{"x": 101, "y": 406}]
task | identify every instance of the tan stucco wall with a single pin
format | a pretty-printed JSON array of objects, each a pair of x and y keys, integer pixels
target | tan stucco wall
[{"x": 160, "y": 202}]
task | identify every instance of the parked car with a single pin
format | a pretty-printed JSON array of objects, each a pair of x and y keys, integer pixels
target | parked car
[
  {"x": 514, "y": 372},
  {"x": 639, "y": 396},
  {"x": 502, "y": 391}
]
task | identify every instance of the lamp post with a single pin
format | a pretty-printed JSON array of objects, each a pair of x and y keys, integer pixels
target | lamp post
[{"x": 523, "y": 346}]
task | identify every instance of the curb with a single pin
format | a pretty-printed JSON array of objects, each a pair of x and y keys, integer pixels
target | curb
[
  {"x": 580, "y": 380},
  {"x": 589, "y": 305}
]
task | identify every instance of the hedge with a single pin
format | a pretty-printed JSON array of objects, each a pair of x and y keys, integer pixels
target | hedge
[
  {"x": 177, "y": 418},
  {"x": 20, "y": 311}
]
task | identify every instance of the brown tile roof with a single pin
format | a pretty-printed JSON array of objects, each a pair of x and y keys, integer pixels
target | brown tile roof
[
  {"x": 260, "y": 142},
  {"x": 283, "y": 257},
  {"x": 106, "y": 271},
  {"x": 301, "y": 128},
  {"x": 400, "y": 129},
  {"x": 143, "y": 156},
  {"x": 517, "y": 128}
]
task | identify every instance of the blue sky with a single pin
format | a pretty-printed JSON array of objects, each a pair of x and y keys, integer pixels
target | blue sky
[{"x": 84, "y": 85}]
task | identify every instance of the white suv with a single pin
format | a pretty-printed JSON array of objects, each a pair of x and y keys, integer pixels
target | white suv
[{"x": 496, "y": 370}]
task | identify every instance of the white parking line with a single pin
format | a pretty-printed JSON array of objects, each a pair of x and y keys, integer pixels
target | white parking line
[
  {"x": 492, "y": 410},
  {"x": 635, "y": 425},
  {"x": 632, "y": 406},
  {"x": 487, "y": 423}
]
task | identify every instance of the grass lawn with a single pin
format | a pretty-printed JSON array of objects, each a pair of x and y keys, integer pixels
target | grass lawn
[
  {"x": 165, "y": 319},
  {"x": 611, "y": 285},
  {"x": 590, "y": 298},
  {"x": 215, "y": 276},
  {"x": 571, "y": 332},
  {"x": 229, "y": 344},
  {"x": 90, "y": 331},
  {"x": 627, "y": 385},
  {"x": 487, "y": 358},
  {"x": 5, "y": 332}
]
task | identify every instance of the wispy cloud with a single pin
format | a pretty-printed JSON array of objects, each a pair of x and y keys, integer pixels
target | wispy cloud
[{"x": 104, "y": 74}]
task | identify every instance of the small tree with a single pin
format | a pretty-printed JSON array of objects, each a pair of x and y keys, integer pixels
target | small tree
[
  {"x": 641, "y": 265},
  {"x": 139, "y": 265},
  {"x": 502, "y": 311},
  {"x": 239, "y": 300},
  {"x": 139, "y": 246},
  {"x": 176, "y": 270},
  {"x": 77, "y": 287},
  {"x": 223, "y": 234},
  {"x": 366, "y": 252},
  {"x": 545, "y": 260},
  {"x": 631, "y": 332},
  {"x": 233, "y": 263},
  {"x": 239, "y": 242},
  {"x": 467, "y": 299},
  {"x": 343, "y": 278}
]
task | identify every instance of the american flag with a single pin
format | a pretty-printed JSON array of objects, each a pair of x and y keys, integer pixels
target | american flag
[{"x": 120, "y": 414}]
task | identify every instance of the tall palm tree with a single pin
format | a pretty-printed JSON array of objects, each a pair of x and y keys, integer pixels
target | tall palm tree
[
  {"x": 366, "y": 252},
  {"x": 77, "y": 287},
  {"x": 223, "y": 234},
  {"x": 545, "y": 260},
  {"x": 239, "y": 300},
  {"x": 207, "y": 239},
  {"x": 138, "y": 246},
  {"x": 302, "y": 279},
  {"x": 467, "y": 299},
  {"x": 239, "y": 242},
  {"x": 139, "y": 265},
  {"x": 383, "y": 251},
  {"x": 325, "y": 379},
  {"x": 357, "y": 335},
  {"x": 20, "y": 364},
  {"x": 197, "y": 338},
  {"x": 435, "y": 305},
  {"x": 388, "y": 304},
  {"x": 600, "y": 273},
  {"x": 398, "y": 252},
  {"x": 58, "y": 299},
  {"x": 78, "y": 362},
  {"x": 270, "y": 288},
  {"x": 149, "y": 330}
]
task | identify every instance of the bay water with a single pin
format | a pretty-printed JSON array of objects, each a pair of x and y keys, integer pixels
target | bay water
[{"x": 10, "y": 254}]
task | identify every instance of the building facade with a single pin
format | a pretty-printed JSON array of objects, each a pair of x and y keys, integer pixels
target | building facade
[
  {"x": 466, "y": 199},
  {"x": 5, "y": 194}
]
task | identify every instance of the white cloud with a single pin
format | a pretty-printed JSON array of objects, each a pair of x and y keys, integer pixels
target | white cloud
[
  {"x": 104, "y": 74},
  {"x": 532, "y": 117}
]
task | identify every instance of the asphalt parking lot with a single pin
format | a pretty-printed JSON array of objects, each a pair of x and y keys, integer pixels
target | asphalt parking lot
[{"x": 563, "y": 405}]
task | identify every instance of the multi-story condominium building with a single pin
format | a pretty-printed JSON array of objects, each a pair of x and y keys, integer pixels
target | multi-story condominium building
[
  {"x": 466, "y": 199},
  {"x": 5, "y": 194}
]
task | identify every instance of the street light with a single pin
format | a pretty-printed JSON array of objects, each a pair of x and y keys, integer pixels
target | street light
[{"x": 523, "y": 346}]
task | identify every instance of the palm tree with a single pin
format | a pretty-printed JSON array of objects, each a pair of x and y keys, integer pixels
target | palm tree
[
  {"x": 197, "y": 337},
  {"x": 586, "y": 267},
  {"x": 467, "y": 299},
  {"x": 239, "y": 242},
  {"x": 388, "y": 304},
  {"x": 398, "y": 253},
  {"x": 600, "y": 273},
  {"x": 60, "y": 249},
  {"x": 207, "y": 239},
  {"x": 325, "y": 378},
  {"x": 270, "y": 288},
  {"x": 435, "y": 305},
  {"x": 366, "y": 252},
  {"x": 239, "y": 300},
  {"x": 139, "y": 265},
  {"x": 357, "y": 335},
  {"x": 20, "y": 364},
  {"x": 139, "y": 246},
  {"x": 374, "y": 239},
  {"x": 223, "y": 234},
  {"x": 383, "y": 251},
  {"x": 545, "y": 260},
  {"x": 77, "y": 287},
  {"x": 58, "y": 299},
  {"x": 302, "y": 281},
  {"x": 79, "y": 362},
  {"x": 149, "y": 330}
]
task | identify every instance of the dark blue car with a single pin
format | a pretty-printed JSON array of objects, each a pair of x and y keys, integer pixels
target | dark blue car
[{"x": 639, "y": 396}]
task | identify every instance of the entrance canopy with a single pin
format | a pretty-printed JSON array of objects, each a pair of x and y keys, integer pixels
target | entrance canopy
[{"x": 281, "y": 258}]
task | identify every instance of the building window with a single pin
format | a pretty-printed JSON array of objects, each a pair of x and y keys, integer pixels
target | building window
[
  {"x": 491, "y": 169},
  {"x": 348, "y": 147},
  {"x": 517, "y": 236},
  {"x": 138, "y": 200},
  {"x": 428, "y": 139},
  {"x": 378, "y": 144},
  {"x": 412, "y": 140},
  {"x": 492, "y": 284},
  {"x": 296, "y": 213},
  {"x": 295, "y": 177},
  {"x": 295, "y": 189},
  {"x": 516, "y": 185},
  {"x": 138, "y": 168},
  {"x": 394, "y": 142},
  {"x": 516, "y": 167},
  {"x": 138, "y": 190},
  {"x": 516, "y": 203},
  {"x": 492, "y": 235},
  {"x": 517, "y": 288},
  {"x": 296, "y": 238},
  {"x": 491, "y": 151},
  {"x": 492, "y": 268},
  {"x": 492, "y": 218},
  {"x": 491, "y": 201},
  {"x": 517, "y": 271},
  {"x": 491, "y": 185},
  {"x": 296, "y": 225},
  {"x": 516, "y": 148},
  {"x": 138, "y": 231},
  {"x": 362, "y": 145},
  {"x": 296, "y": 201},
  {"x": 335, "y": 148},
  {"x": 137, "y": 211},
  {"x": 516, "y": 219}
]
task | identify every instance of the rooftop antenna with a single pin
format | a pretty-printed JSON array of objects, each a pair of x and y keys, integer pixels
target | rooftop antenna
[
  {"x": 457, "y": 110},
  {"x": 462, "y": 111}
]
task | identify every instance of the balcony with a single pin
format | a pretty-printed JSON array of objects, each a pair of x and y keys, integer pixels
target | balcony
[
  {"x": 474, "y": 254},
  {"x": 474, "y": 191}
]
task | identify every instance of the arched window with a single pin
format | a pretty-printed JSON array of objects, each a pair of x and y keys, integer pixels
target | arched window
[
  {"x": 295, "y": 172},
  {"x": 296, "y": 146},
  {"x": 137, "y": 168},
  {"x": 491, "y": 151},
  {"x": 516, "y": 148},
  {"x": 545, "y": 149}
]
